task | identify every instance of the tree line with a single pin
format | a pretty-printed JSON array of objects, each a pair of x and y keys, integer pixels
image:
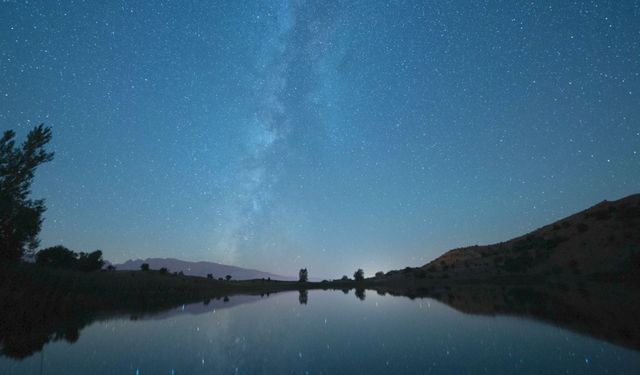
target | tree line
[{"x": 303, "y": 275}]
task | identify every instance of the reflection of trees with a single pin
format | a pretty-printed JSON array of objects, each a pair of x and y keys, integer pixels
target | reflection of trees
[
  {"x": 40, "y": 304},
  {"x": 606, "y": 311},
  {"x": 303, "y": 296},
  {"x": 27, "y": 328}
]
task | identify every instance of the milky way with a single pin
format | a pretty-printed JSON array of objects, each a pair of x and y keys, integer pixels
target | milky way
[{"x": 329, "y": 135}]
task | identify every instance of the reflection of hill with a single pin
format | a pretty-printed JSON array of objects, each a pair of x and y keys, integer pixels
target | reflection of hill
[
  {"x": 207, "y": 306},
  {"x": 605, "y": 311}
]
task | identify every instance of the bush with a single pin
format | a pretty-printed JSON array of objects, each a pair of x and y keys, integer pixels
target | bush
[
  {"x": 164, "y": 271},
  {"x": 144, "y": 267},
  {"x": 56, "y": 256},
  {"x": 61, "y": 257},
  {"x": 90, "y": 261}
]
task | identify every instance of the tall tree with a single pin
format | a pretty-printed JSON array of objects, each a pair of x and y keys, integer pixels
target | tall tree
[
  {"x": 358, "y": 275},
  {"x": 303, "y": 275},
  {"x": 20, "y": 216}
]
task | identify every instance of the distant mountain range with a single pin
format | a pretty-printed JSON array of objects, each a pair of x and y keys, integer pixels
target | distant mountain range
[
  {"x": 200, "y": 269},
  {"x": 603, "y": 240}
]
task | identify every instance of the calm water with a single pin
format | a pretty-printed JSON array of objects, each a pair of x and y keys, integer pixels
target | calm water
[{"x": 332, "y": 333}]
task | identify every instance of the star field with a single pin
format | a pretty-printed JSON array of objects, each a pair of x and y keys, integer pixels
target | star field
[{"x": 330, "y": 135}]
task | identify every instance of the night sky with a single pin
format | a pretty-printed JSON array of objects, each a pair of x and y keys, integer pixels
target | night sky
[{"x": 318, "y": 134}]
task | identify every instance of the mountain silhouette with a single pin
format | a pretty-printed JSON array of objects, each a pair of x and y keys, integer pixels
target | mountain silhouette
[{"x": 201, "y": 269}]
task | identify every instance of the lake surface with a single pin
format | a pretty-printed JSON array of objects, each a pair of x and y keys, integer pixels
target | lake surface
[{"x": 324, "y": 332}]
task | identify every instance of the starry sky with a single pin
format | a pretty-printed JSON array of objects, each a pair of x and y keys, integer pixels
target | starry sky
[{"x": 330, "y": 135}]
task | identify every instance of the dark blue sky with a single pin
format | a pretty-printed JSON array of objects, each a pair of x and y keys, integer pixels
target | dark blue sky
[{"x": 331, "y": 135}]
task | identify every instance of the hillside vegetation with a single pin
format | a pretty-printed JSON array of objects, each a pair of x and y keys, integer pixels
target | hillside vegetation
[{"x": 602, "y": 241}]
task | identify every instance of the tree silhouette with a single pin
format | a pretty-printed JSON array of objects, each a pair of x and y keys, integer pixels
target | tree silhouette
[
  {"x": 144, "y": 267},
  {"x": 358, "y": 275},
  {"x": 90, "y": 261},
  {"x": 303, "y": 275},
  {"x": 209, "y": 276},
  {"x": 228, "y": 277},
  {"x": 21, "y": 217},
  {"x": 56, "y": 256},
  {"x": 61, "y": 257}
]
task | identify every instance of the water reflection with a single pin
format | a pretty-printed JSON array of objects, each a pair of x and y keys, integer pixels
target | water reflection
[
  {"x": 303, "y": 296},
  {"x": 604, "y": 311}
]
